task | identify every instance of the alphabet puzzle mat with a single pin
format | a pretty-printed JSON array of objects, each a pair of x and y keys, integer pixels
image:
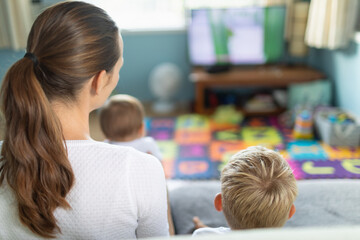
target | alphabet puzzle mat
[{"x": 194, "y": 147}]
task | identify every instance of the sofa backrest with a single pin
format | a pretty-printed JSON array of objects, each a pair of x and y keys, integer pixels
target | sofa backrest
[{"x": 332, "y": 202}]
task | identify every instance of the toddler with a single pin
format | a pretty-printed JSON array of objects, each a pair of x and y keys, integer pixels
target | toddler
[{"x": 122, "y": 122}]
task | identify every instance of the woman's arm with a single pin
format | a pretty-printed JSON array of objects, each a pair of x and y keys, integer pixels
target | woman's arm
[{"x": 150, "y": 191}]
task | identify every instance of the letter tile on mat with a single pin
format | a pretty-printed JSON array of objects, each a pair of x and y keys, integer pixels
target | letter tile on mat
[
  {"x": 306, "y": 150},
  {"x": 260, "y": 135},
  {"x": 169, "y": 149},
  {"x": 297, "y": 171},
  {"x": 352, "y": 166},
  {"x": 162, "y": 123},
  {"x": 219, "y": 148},
  {"x": 216, "y": 126},
  {"x": 162, "y": 134},
  {"x": 193, "y": 136},
  {"x": 335, "y": 153},
  {"x": 227, "y": 135},
  {"x": 331, "y": 169},
  {"x": 193, "y": 151},
  {"x": 193, "y": 122},
  {"x": 194, "y": 169}
]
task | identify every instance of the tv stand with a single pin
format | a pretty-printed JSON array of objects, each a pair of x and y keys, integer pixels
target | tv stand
[
  {"x": 258, "y": 76},
  {"x": 218, "y": 68}
]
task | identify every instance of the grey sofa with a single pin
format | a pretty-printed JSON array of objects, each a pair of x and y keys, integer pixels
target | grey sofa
[{"x": 333, "y": 202}]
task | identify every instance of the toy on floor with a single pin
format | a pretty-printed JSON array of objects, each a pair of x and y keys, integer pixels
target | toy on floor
[
  {"x": 228, "y": 114},
  {"x": 260, "y": 103},
  {"x": 303, "y": 128}
]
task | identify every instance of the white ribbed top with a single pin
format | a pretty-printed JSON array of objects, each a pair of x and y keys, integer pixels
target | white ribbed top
[
  {"x": 119, "y": 193},
  {"x": 143, "y": 144}
]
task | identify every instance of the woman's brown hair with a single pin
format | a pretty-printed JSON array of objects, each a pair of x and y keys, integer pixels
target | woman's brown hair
[{"x": 68, "y": 44}]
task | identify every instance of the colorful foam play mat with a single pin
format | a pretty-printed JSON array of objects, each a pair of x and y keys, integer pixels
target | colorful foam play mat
[{"x": 195, "y": 147}]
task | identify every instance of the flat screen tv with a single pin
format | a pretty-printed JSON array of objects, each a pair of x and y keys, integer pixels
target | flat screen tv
[{"x": 236, "y": 36}]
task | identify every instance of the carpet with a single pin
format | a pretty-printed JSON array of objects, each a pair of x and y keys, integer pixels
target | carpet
[{"x": 194, "y": 147}]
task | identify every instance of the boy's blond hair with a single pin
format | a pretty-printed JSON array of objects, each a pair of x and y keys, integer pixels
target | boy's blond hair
[
  {"x": 258, "y": 189},
  {"x": 121, "y": 117}
]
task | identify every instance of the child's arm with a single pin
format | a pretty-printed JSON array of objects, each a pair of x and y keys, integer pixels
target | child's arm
[{"x": 198, "y": 223}]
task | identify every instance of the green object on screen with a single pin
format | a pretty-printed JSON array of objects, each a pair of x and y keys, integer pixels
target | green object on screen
[
  {"x": 220, "y": 34},
  {"x": 274, "y": 25}
]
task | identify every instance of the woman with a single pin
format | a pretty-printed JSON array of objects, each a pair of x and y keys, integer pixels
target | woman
[{"x": 55, "y": 182}]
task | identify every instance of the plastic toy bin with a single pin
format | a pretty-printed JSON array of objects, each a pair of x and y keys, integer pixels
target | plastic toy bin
[{"x": 335, "y": 133}]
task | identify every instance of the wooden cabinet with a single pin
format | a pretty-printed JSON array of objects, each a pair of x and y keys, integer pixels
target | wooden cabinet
[{"x": 239, "y": 77}]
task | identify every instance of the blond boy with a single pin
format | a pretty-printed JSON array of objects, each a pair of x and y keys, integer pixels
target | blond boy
[
  {"x": 258, "y": 190},
  {"x": 122, "y": 122}
]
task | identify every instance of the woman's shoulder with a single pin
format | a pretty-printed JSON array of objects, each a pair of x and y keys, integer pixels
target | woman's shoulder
[
  {"x": 103, "y": 151},
  {"x": 94, "y": 147}
]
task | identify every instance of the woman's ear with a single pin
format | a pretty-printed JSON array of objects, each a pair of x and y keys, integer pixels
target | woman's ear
[
  {"x": 98, "y": 82},
  {"x": 218, "y": 202}
]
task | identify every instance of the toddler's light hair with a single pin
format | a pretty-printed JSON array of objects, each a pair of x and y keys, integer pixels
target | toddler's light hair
[
  {"x": 258, "y": 189},
  {"x": 122, "y": 116}
]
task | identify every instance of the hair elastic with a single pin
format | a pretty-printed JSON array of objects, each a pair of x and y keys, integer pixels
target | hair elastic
[{"x": 32, "y": 57}]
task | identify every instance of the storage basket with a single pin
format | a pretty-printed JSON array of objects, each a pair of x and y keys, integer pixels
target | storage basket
[{"x": 335, "y": 133}]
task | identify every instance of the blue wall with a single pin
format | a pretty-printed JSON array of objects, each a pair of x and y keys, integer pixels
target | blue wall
[
  {"x": 142, "y": 52},
  {"x": 343, "y": 68},
  {"x": 7, "y": 58}
]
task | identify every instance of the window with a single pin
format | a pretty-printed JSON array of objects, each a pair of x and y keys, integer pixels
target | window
[
  {"x": 149, "y": 15},
  {"x": 144, "y": 14}
]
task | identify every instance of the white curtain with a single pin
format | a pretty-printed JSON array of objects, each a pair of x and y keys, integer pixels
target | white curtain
[
  {"x": 331, "y": 23},
  {"x": 297, "y": 17},
  {"x": 15, "y": 23}
]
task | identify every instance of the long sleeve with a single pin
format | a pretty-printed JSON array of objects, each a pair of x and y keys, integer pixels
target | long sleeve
[{"x": 149, "y": 187}]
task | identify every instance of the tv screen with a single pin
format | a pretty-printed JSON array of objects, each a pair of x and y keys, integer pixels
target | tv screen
[{"x": 241, "y": 36}]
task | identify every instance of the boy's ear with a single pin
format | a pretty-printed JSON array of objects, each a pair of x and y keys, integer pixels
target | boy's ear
[
  {"x": 98, "y": 82},
  {"x": 292, "y": 211},
  {"x": 218, "y": 202}
]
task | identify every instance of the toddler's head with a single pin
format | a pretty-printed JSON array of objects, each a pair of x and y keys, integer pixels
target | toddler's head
[
  {"x": 122, "y": 117},
  {"x": 258, "y": 189}
]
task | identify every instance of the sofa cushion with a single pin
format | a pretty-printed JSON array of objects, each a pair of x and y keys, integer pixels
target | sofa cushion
[{"x": 319, "y": 203}]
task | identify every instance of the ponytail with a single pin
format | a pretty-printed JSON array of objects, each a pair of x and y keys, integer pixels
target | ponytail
[{"x": 34, "y": 160}]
